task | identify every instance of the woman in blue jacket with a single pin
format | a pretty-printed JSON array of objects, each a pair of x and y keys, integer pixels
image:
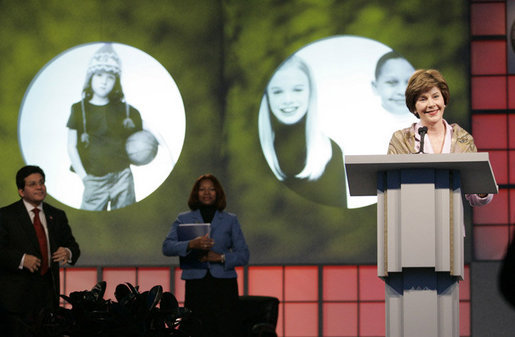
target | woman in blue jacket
[{"x": 208, "y": 261}]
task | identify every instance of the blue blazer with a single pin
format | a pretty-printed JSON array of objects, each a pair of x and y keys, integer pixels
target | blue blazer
[{"x": 229, "y": 240}]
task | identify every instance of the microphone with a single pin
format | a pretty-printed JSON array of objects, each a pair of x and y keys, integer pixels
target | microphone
[{"x": 422, "y": 132}]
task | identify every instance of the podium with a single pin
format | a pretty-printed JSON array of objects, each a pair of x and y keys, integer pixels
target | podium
[{"x": 420, "y": 233}]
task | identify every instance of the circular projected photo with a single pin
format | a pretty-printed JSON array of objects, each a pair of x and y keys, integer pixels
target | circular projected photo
[
  {"x": 106, "y": 123},
  {"x": 342, "y": 95}
]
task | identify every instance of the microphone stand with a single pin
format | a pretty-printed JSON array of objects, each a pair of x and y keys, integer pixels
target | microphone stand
[{"x": 422, "y": 132}]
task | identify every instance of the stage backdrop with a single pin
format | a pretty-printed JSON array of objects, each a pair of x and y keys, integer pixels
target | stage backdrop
[{"x": 203, "y": 75}]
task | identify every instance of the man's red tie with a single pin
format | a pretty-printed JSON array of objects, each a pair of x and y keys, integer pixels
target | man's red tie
[{"x": 40, "y": 232}]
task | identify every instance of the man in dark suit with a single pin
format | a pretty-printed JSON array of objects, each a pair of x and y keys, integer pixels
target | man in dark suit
[{"x": 35, "y": 239}]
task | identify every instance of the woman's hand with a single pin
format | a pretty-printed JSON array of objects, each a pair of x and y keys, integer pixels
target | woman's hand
[
  {"x": 201, "y": 242},
  {"x": 211, "y": 257}
]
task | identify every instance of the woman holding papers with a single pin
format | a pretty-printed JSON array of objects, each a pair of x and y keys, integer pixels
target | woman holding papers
[
  {"x": 208, "y": 261},
  {"x": 427, "y": 96}
]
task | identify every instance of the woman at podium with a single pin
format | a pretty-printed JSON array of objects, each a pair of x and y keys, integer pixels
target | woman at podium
[{"x": 427, "y": 96}]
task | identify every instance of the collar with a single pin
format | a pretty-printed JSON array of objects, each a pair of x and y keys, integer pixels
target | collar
[{"x": 30, "y": 207}]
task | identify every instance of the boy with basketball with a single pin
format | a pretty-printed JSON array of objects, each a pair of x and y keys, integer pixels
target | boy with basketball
[{"x": 99, "y": 126}]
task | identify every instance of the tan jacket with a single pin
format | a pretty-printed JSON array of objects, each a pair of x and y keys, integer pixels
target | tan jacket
[{"x": 403, "y": 141}]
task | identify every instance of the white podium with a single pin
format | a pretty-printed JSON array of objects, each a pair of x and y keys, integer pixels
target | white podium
[{"x": 420, "y": 233}]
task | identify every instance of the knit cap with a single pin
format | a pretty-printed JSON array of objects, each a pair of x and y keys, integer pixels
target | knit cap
[{"x": 105, "y": 59}]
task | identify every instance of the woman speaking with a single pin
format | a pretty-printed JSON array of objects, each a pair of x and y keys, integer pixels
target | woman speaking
[{"x": 427, "y": 96}]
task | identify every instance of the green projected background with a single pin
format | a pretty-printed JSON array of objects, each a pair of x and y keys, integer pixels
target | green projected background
[{"x": 221, "y": 54}]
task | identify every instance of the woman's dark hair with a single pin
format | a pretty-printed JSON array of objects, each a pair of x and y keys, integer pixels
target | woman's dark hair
[
  {"x": 220, "y": 202},
  {"x": 26, "y": 171},
  {"x": 421, "y": 81}
]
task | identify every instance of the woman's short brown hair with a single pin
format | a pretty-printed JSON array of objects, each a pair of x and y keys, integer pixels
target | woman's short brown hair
[
  {"x": 421, "y": 81},
  {"x": 220, "y": 202}
]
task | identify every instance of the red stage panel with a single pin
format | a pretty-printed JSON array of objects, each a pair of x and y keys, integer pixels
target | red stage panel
[
  {"x": 371, "y": 287},
  {"x": 495, "y": 213},
  {"x": 511, "y": 92},
  {"x": 150, "y": 277},
  {"x": 240, "y": 279},
  {"x": 511, "y": 126},
  {"x": 61, "y": 281},
  {"x": 464, "y": 319},
  {"x": 488, "y": 92},
  {"x": 488, "y": 57},
  {"x": 489, "y": 131},
  {"x": 512, "y": 206},
  {"x": 340, "y": 283},
  {"x": 301, "y": 283},
  {"x": 116, "y": 276},
  {"x": 280, "y": 320},
  {"x": 511, "y": 166},
  {"x": 499, "y": 162},
  {"x": 465, "y": 285},
  {"x": 340, "y": 319},
  {"x": 78, "y": 279},
  {"x": 487, "y": 19},
  {"x": 490, "y": 242},
  {"x": 301, "y": 319},
  {"x": 372, "y": 319},
  {"x": 266, "y": 281}
]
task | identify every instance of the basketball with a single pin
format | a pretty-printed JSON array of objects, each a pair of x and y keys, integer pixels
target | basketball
[{"x": 141, "y": 147}]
